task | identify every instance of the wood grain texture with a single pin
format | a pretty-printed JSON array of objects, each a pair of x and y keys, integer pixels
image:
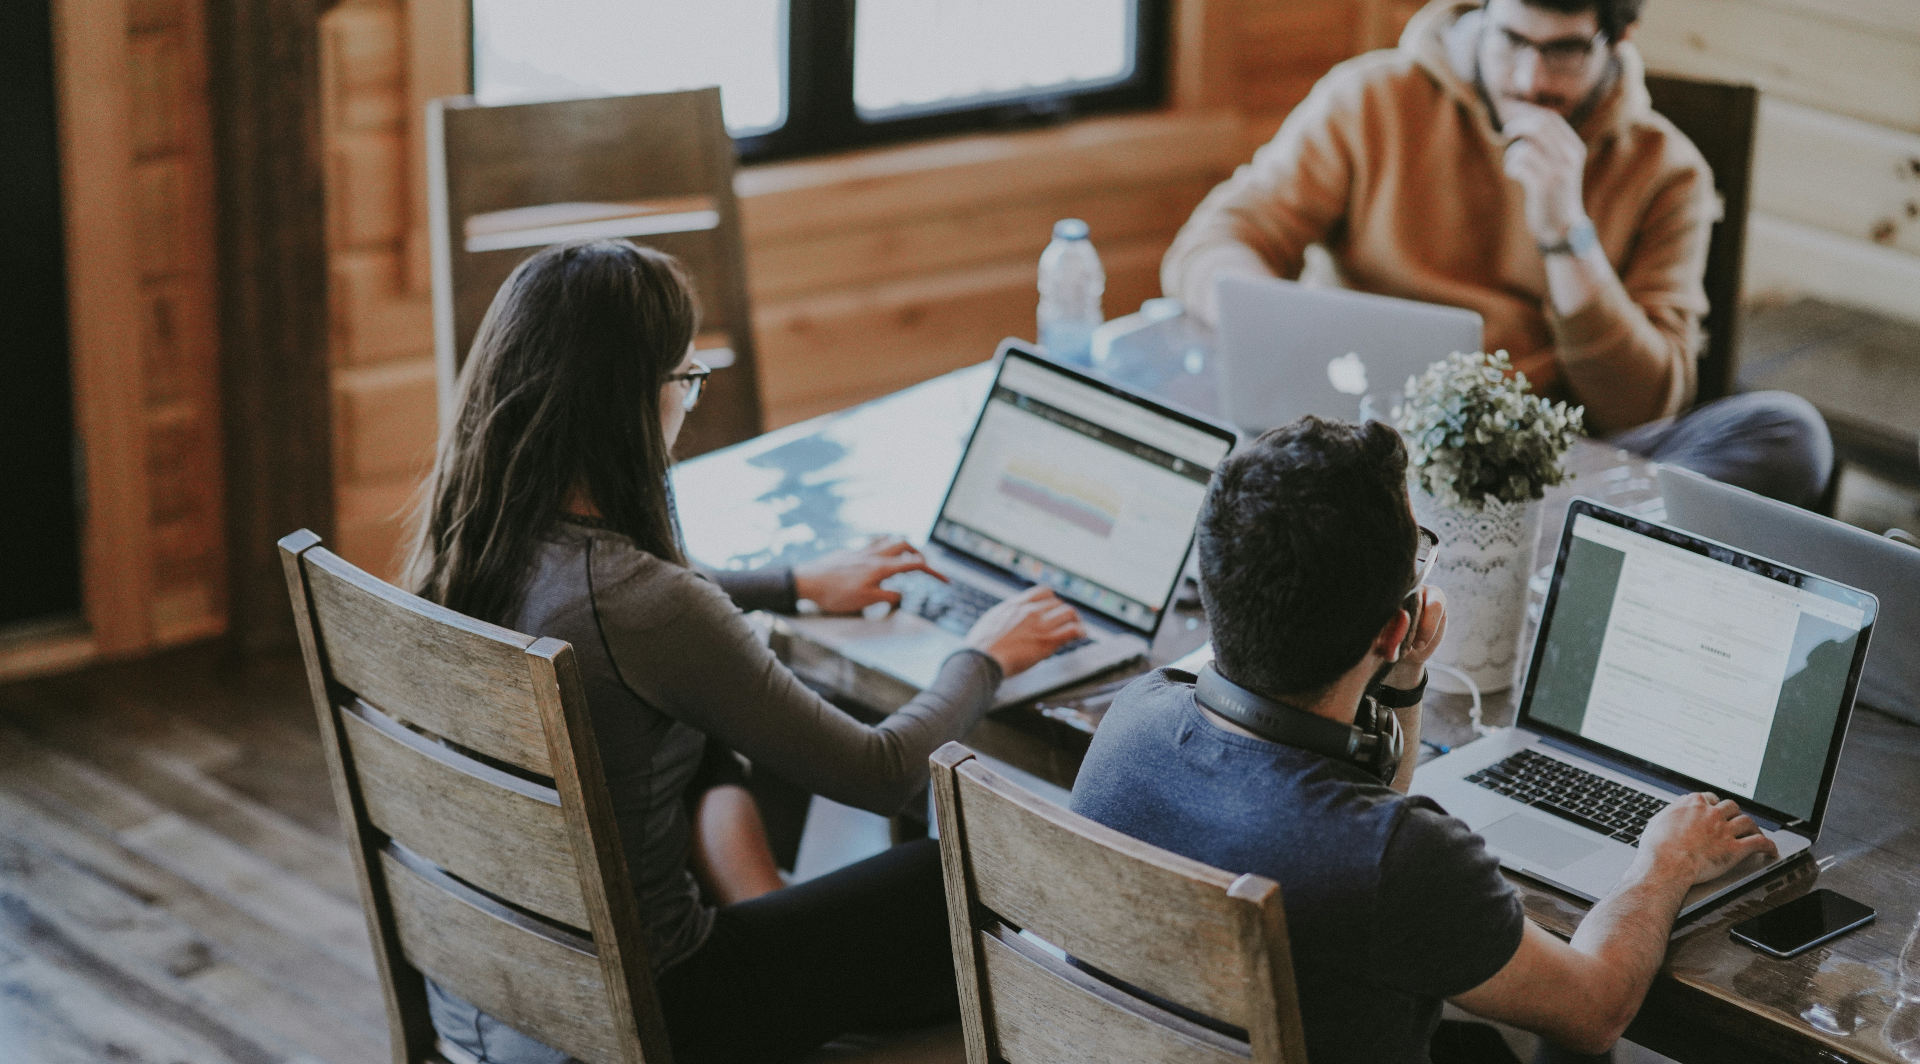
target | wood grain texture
[
  {"x": 1842, "y": 175},
  {"x": 1790, "y": 52},
  {"x": 459, "y": 689},
  {"x": 537, "y": 979},
  {"x": 530, "y": 911},
  {"x": 625, "y": 149},
  {"x": 103, "y": 286},
  {"x": 504, "y": 835},
  {"x": 1018, "y": 865}
]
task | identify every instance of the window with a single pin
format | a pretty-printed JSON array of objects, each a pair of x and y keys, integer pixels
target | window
[{"x": 806, "y": 76}]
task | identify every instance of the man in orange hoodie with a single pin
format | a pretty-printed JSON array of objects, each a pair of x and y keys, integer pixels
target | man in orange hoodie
[{"x": 1505, "y": 158}]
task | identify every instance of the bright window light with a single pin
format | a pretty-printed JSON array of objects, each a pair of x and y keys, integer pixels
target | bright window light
[
  {"x": 932, "y": 55},
  {"x": 567, "y": 49}
]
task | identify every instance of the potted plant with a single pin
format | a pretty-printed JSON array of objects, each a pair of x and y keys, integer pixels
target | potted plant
[{"x": 1482, "y": 450}]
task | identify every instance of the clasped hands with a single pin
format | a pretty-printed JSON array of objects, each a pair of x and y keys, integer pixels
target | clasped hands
[{"x": 1549, "y": 161}]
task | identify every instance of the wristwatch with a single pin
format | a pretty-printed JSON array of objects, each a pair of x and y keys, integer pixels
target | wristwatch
[
  {"x": 1579, "y": 240},
  {"x": 1395, "y": 698}
]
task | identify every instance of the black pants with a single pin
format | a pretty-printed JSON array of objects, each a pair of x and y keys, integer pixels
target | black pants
[{"x": 862, "y": 949}]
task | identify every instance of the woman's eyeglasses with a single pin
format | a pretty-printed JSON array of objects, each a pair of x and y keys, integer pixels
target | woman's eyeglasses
[{"x": 696, "y": 379}]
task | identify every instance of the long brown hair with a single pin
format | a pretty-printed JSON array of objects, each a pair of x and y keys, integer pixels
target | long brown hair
[{"x": 561, "y": 391}]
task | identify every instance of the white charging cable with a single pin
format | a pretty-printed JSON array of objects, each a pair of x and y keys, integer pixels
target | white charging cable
[{"x": 1473, "y": 691}]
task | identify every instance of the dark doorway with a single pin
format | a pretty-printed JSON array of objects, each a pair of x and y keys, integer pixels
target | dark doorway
[{"x": 39, "y": 522}]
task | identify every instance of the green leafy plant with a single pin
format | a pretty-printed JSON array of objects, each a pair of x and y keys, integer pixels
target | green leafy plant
[{"x": 1475, "y": 432}]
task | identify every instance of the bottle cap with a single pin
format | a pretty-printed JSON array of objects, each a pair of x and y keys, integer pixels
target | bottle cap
[{"x": 1069, "y": 229}]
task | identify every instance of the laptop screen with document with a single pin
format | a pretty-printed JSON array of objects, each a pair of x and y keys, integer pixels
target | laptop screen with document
[
  {"x": 1711, "y": 667},
  {"x": 1075, "y": 484}
]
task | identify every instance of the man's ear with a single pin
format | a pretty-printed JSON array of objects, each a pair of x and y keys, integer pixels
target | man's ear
[{"x": 1387, "y": 643}]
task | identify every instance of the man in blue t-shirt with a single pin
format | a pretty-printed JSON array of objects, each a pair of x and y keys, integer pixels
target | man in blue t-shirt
[{"x": 1307, "y": 551}]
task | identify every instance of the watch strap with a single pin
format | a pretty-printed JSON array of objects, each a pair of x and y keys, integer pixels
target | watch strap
[
  {"x": 1395, "y": 698},
  {"x": 1579, "y": 239}
]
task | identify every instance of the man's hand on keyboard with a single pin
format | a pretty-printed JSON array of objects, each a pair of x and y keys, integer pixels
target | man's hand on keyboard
[
  {"x": 848, "y": 581},
  {"x": 1025, "y": 629},
  {"x": 1698, "y": 837}
]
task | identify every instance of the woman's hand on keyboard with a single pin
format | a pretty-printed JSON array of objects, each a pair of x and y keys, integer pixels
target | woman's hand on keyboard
[
  {"x": 848, "y": 581},
  {"x": 1023, "y": 630}
]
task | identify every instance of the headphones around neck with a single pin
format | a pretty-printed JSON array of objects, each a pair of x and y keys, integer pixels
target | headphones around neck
[{"x": 1373, "y": 741}]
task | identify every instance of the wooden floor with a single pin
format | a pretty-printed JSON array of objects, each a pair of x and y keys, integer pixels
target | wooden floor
[{"x": 173, "y": 887}]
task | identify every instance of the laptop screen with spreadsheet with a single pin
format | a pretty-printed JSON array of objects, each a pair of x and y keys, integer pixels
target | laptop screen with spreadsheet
[{"x": 1079, "y": 485}]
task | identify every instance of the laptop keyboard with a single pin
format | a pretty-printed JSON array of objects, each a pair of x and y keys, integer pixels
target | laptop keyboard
[
  {"x": 1589, "y": 800},
  {"x": 953, "y": 606}
]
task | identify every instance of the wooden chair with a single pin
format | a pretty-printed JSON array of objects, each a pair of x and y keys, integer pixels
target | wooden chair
[
  {"x": 1207, "y": 941},
  {"x": 474, "y": 803},
  {"x": 1720, "y": 119},
  {"x": 504, "y": 182}
]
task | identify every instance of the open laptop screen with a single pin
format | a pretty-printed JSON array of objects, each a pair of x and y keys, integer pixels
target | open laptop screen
[
  {"x": 1727, "y": 671},
  {"x": 1074, "y": 484}
]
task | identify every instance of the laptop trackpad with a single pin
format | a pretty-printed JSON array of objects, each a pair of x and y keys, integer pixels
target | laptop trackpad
[{"x": 1536, "y": 843}]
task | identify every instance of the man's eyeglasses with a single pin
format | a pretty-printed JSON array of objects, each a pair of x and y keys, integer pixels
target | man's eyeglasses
[
  {"x": 1563, "y": 56},
  {"x": 1424, "y": 555},
  {"x": 696, "y": 379}
]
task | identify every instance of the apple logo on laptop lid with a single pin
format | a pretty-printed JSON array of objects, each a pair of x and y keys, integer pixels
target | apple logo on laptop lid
[{"x": 1348, "y": 374}]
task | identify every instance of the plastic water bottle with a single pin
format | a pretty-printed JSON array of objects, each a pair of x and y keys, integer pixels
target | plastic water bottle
[{"x": 1071, "y": 283}]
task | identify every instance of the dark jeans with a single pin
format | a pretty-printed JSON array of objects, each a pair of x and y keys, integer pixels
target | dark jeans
[
  {"x": 1462, "y": 1042},
  {"x": 1772, "y": 443},
  {"x": 863, "y": 949}
]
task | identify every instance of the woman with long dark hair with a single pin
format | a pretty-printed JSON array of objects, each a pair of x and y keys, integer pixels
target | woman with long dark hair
[{"x": 550, "y": 511}]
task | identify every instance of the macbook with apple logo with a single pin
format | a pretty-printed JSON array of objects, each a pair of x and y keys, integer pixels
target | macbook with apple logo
[{"x": 1285, "y": 349}]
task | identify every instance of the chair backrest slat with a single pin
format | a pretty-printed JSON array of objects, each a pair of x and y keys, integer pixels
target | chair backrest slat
[
  {"x": 465, "y": 680},
  {"x": 505, "y": 835},
  {"x": 1044, "y": 1010},
  {"x": 1157, "y": 924},
  {"x": 536, "y": 979},
  {"x": 466, "y": 772},
  {"x": 505, "y": 181}
]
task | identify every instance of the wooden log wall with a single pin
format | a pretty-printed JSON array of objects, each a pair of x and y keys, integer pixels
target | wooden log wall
[
  {"x": 1836, "y": 190},
  {"x": 868, "y": 270}
]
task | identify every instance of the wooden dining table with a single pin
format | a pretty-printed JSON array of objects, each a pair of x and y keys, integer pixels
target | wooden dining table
[{"x": 883, "y": 467}]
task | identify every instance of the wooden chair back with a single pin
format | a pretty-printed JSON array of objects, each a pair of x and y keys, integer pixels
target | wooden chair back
[
  {"x": 474, "y": 802},
  {"x": 506, "y": 181},
  {"x": 1720, "y": 119},
  {"x": 1159, "y": 925}
]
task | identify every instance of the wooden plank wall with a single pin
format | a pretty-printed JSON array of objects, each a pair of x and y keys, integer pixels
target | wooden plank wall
[
  {"x": 138, "y": 181},
  {"x": 179, "y": 345},
  {"x": 1836, "y": 192},
  {"x": 868, "y": 271}
]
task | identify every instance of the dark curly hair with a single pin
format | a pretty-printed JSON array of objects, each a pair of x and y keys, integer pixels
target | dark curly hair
[
  {"x": 1306, "y": 548},
  {"x": 1614, "y": 15}
]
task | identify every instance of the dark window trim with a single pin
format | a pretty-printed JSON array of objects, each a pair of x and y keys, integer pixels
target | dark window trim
[{"x": 821, "y": 117}]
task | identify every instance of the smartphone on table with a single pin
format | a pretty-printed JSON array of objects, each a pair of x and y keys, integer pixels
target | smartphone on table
[{"x": 1803, "y": 923}]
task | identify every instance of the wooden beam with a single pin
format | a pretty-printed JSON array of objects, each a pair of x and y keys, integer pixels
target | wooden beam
[
  {"x": 264, "y": 62},
  {"x": 92, "y": 67}
]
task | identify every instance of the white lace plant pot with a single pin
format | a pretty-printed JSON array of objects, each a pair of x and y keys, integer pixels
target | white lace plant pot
[{"x": 1486, "y": 556}]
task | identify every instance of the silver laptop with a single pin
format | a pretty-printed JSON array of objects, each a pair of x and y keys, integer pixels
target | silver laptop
[
  {"x": 1664, "y": 664},
  {"x": 1070, "y": 481},
  {"x": 1286, "y": 349},
  {"x": 1798, "y": 537}
]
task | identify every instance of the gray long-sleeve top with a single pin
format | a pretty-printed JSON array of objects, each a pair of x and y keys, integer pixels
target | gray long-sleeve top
[{"x": 669, "y": 660}]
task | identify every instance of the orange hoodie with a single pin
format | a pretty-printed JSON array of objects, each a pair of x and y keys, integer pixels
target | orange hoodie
[{"x": 1393, "y": 164}]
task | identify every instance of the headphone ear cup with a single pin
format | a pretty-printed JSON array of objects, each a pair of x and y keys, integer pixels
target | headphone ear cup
[{"x": 1369, "y": 742}]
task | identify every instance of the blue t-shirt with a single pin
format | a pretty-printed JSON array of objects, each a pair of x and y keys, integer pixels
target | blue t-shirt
[{"x": 1391, "y": 904}]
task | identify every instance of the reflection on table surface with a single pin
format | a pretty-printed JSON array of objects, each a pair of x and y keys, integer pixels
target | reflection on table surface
[{"x": 883, "y": 467}]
